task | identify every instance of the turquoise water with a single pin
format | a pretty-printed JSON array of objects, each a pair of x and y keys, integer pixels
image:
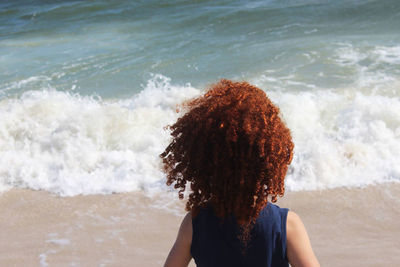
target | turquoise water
[
  {"x": 86, "y": 87},
  {"x": 112, "y": 48}
]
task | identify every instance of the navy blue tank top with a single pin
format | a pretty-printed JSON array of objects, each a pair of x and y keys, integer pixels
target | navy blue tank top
[{"x": 217, "y": 244}]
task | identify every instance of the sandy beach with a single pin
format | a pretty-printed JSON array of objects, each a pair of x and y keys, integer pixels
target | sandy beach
[
  {"x": 347, "y": 227},
  {"x": 87, "y": 89}
]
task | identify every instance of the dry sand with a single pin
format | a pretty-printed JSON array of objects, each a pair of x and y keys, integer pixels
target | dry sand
[{"x": 347, "y": 227}]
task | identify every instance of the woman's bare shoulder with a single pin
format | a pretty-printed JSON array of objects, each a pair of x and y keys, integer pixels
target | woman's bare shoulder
[
  {"x": 299, "y": 248},
  {"x": 180, "y": 252},
  {"x": 186, "y": 227},
  {"x": 293, "y": 220}
]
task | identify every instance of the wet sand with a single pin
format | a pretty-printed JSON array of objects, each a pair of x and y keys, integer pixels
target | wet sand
[{"x": 347, "y": 227}]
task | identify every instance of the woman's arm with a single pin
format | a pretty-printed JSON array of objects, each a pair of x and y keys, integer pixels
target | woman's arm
[
  {"x": 299, "y": 251},
  {"x": 180, "y": 256}
]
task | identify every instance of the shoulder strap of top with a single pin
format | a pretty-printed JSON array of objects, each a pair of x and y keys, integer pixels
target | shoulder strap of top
[{"x": 276, "y": 218}]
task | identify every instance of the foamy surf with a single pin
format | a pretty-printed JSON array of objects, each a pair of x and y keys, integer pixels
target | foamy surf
[{"x": 68, "y": 144}]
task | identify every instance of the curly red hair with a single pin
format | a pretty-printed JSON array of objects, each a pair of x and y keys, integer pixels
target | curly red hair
[{"x": 234, "y": 150}]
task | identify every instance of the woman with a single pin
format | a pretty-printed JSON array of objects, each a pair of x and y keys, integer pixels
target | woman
[{"x": 233, "y": 149}]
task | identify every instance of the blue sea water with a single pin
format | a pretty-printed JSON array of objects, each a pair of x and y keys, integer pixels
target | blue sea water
[{"x": 86, "y": 87}]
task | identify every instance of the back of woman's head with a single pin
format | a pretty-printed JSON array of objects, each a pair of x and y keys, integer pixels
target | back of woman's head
[{"x": 233, "y": 148}]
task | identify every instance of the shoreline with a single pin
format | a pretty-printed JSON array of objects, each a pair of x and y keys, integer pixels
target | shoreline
[{"x": 347, "y": 227}]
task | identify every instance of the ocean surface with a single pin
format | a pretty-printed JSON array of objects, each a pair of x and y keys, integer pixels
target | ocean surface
[{"x": 86, "y": 87}]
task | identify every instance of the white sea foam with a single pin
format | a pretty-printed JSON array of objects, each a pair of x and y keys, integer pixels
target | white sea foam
[
  {"x": 348, "y": 139},
  {"x": 24, "y": 83},
  {"x": 372, "y": 66},
  {"x": 68, "y": 144}
]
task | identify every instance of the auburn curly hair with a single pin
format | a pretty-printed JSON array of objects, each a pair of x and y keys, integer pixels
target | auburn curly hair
[{"x": 233, "y": 149}]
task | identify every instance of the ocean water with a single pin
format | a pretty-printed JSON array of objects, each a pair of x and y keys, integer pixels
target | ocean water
[{"x": 86, "y": 87}]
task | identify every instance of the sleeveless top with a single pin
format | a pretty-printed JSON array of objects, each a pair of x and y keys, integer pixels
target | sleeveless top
[{"x": 216, "y": 243}]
